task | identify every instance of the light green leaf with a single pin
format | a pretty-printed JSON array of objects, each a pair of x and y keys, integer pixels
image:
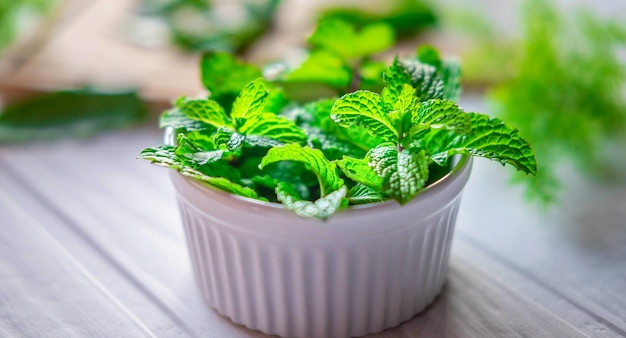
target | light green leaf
[
  {"x": 206, "y": 111},
  {"x": 164, "y": 156},
  {"x": 274, "y": 127},
  {"x": 364, "y": 108},
  {"x": 250, "y": 102},
  {"x": 322, "y": 66},
  {"x": 424, "y": 79},
  {"x": 225, "y": 76},
  {"x": 439, "y": 114},
  {"x": 324, "y": 170},
  {"x": 342, "y": 38},
  {"x": 493, "y": 139},
  {"x": 395, "y": 77},
  {"x": 321, "y": 209},
  {"x": 360, "y": 171},
  {"x": 404, "y": 173},
  {"x": 174, "y": 118},
  {"x": 361, "y": 194}
]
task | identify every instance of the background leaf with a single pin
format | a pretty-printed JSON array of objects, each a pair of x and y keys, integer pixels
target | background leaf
[
  {"x": 225, "y": 76},
  {"x": 79, "y": 113}
]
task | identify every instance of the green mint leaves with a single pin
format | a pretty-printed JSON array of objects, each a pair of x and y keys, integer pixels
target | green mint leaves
[
  {"x": 251, "y": 138},
  {"x": 343, "y": 39}
]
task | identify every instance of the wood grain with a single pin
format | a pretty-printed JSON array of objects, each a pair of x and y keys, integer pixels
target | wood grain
[{"x": 116, "y": 219}]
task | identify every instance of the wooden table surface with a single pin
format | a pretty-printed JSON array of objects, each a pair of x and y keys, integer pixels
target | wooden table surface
[{"x": 91, "y": 243}]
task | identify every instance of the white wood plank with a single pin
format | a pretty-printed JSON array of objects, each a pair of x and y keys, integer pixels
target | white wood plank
[
  {"x": 147, "y": 247},
  {"x": 574, "y": 252},
  {"x": 101, "y": 188},
  {"x": 45, "y": 290}
]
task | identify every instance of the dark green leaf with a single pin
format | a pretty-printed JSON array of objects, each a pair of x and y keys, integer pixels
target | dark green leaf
[
  {"x": 361, "y": 194},
  {"x": 314, "y": 159},
  {"x": 79, "y": 113},
  {"x": 174, "y": 118}
]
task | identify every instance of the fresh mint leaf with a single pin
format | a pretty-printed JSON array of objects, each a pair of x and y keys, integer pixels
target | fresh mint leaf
[
  {"x": 314, "y": 159},
  {"x": 205, "y": 111},
  {"x": 355, "y": 138},
  {"x": 166, "y": 156},
  {"x": 359, "y": 170},
  {"x": 439, "y": 114},
  {"x": 342, "y": 38},
  {"x": 274, "y": 127},
  {"x": 365, "y": 109},
  {"x": 174, "y": 118},
  {"x": 361, "y": 194},
  {"x": 493, "y": 139},
  {"x": 228, "y": 138},
  {"x": 197, "y": 155},
  {"x": 395, "y": 77},
  {"x": 322, "y": 66},
  {"x": 451, "y": 76},
  {"x": 163, "y": 155},
  {"x": 225, "y": 76},
  {"x": 425, "y": 79},
  {"x": 404, "y": 172},
  {"x": 448, "y": 70},
  {"x": 321, "y": 209},
  {"x": 250, "y": 103}
]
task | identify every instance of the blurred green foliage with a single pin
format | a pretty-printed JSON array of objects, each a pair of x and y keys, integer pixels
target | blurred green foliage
[
  {"x": 12, "y": 12},
  {"x": 562, "y": 85},
  {"x": 75, "y": 113},
  {"x": 406, "y": 17},
  {"x": 199, "y": 25}
]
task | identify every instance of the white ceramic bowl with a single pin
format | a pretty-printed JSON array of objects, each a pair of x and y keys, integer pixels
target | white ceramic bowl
[{"x": 366, "y": 269}]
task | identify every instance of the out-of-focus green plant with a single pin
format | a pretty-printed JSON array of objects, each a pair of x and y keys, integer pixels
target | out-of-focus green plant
[
  {"x": 406, "y": 17},
  {"x": 12, "y": 12},
  {"x": 77, "y": 113},
  {"x": 202, "y": 25},
  {"x": 563, "y": 86},
  {"x": 339, "y": 61}
]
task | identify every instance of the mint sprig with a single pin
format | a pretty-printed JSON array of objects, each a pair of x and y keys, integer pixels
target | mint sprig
[{"x": 321, "y": 156}]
